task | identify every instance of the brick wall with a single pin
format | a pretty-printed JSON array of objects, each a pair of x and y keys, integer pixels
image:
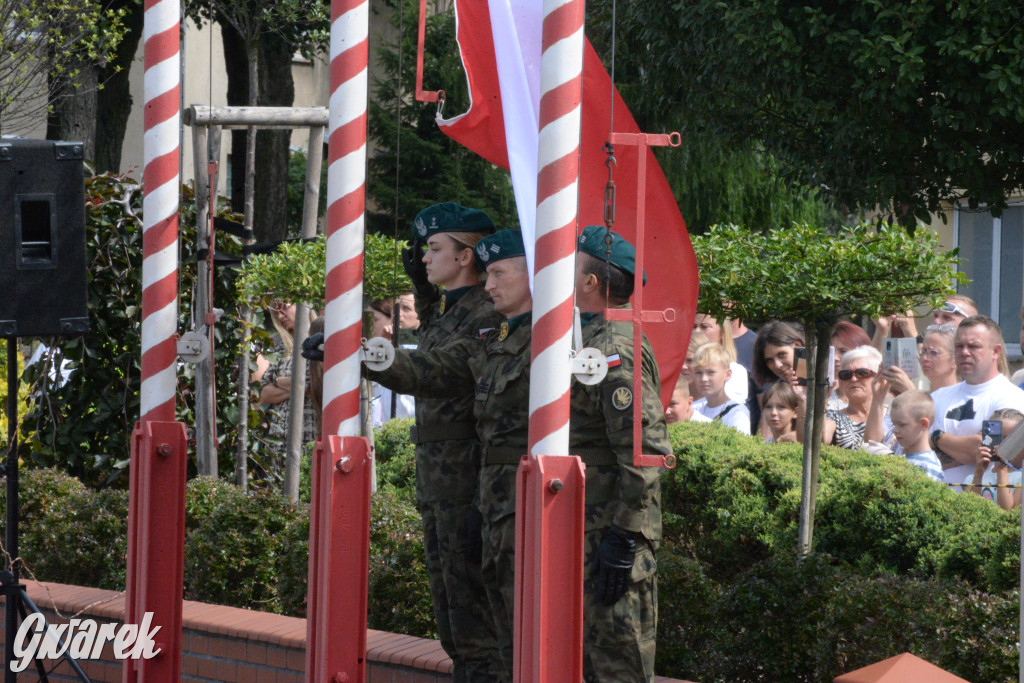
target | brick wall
[{"x": 227, "y": 644}]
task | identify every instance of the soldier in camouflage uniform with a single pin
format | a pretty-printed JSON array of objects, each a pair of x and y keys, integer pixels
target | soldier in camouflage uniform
[
  {"x": 497, "y": 376},
  {"x": 447, "y": 446},
  {"x": 623, "y": 502}
]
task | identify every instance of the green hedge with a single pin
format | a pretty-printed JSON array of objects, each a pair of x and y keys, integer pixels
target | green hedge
[
  {"x": 733, "y": 501},
  {"x": 248, "y": 550},
  {"x": 903, "y": 564}
]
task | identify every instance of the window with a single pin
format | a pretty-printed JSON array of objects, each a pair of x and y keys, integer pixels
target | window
[{"x": 992, "y": 256}]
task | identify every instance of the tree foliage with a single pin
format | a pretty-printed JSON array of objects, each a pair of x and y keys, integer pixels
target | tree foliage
[
  {"x": 296, "y": 272},
  {"x": 805, "y": 273},
  {"x": 901, "y": 105},
  {"x": 44, "y": 46},
  {"x": 431, "y": 167},
  {"x": 714, "y": 179}
]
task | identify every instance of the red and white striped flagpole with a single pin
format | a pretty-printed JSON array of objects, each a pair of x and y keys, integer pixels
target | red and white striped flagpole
[
  {"x": 340, "y": 507},
  {"x": 156, "y": 521},
  {"x": 161, "y": 150},
  {"x": 549, "y": 521}
]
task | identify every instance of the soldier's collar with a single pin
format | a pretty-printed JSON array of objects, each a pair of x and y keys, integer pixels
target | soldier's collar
[
  {"x": 519, "y": 321},
  {"x": 587, "y": 318},
  {"x": 450, "y": 297}
]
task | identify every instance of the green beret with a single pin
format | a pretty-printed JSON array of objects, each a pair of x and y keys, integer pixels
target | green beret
[
  {"x": 623, "y": 254},
  {"x": 450, "y": 217},
  {"x": 501, "y": 245}
]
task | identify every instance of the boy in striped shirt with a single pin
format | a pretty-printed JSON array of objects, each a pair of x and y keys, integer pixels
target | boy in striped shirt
[{"x": 912, "y": 414}]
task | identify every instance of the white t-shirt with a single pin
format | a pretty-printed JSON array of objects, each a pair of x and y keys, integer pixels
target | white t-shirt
[
  {"x": 960, "y": 409},
  {"x": 697, "y": 417},
  {"x": 736, "y": 386},
  {"x": 737, "y": 417},
  {"x": 988, "y": 482}
]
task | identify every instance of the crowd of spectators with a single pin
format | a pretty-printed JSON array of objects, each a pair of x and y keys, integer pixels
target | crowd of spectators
[{"x": 946, "y": 413}]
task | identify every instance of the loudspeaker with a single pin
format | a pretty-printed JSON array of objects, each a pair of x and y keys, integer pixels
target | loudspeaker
[{"x": 42, "y": 239}]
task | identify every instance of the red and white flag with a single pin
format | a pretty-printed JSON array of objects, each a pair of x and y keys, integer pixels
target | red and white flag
[{"x": 500, "y": 44}]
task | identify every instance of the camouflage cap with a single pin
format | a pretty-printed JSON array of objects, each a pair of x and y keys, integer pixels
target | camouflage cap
[
  {"x": 450, "y": 217},
  {"x": 623, "y": 255},
  {"x": 501, "y": 245}
]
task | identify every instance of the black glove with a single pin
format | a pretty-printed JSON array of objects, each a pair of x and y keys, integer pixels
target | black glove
[
  {"x": 313, "y": 347},
  {"x": 615, "y": 557},
  {"x": 473, "y": 528},
  {"x": 415, "y": 268}
]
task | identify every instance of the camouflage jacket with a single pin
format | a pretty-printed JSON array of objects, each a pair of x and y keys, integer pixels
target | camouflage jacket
[
  {"x": 601, "y": 430},
  {"x": 497, "y": 376},
  {"x": 447, "y": 446}
]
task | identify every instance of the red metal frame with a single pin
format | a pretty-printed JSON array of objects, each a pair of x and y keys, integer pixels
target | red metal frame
[
  {"x": 637, "y": 315},
  {"x": 421, "y": 94},
  {"x": 156, "y": 545},
  {"x": 549, "y": 544},
  {"x": 339, "y": 554}
]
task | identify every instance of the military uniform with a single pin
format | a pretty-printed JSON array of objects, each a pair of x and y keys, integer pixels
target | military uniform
[
  {"x": 447, "y": 473},
  {"x": 619, "y": 640},
  {"x": 494, "y": 375},
  {"x": 448, "y": 453}
]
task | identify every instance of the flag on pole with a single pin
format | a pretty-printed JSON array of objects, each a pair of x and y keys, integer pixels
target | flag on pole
[{"x": 500, "y": 45}]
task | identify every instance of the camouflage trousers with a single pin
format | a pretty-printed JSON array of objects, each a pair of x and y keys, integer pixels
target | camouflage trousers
[
  {"x": 461, "y": 608},
  {"x": 498, "y": 569},
  {"x": 619, "y": 640}
]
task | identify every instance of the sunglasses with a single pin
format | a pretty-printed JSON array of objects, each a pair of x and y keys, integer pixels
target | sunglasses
[
  {"x": 950, "y": 307},
  {"x": 860, "y": 373}
]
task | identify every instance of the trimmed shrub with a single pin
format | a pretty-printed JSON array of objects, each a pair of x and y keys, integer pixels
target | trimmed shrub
[
  {"x": 396, "y": 454},
  {"x": 231, "y": 557},
  {"x": 733, "y": 501}
]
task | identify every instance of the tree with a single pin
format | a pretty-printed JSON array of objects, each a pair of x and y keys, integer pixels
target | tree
[
  {"x": 431, "y": 167},
  {"x": 260, "y": 38},
  {"x": 714, "y": 179},
  {"x": 897, "y": 105},
  {"x": 806, "y": 274},
  {"x": 50, "y": 51}
]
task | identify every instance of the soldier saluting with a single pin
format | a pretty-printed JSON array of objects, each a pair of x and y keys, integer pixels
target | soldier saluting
[{"x": 493, "y": 369}]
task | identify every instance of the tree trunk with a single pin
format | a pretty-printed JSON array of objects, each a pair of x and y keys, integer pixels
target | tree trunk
[
  {"x": 236, "y": 63},
  {"x": 817, "y": 394},
  {"x": 242, "y": 455},
  {"x": 114, "y": 101},
  {"x": 73, "y": 115},
  {"x": 277, "y": 89}
]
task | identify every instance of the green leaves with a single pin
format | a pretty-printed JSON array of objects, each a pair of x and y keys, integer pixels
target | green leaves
[
  {"x": 805, "y": 273},
  {"x": 296, "y": 272},
  {"x": 902, "y": 106}
]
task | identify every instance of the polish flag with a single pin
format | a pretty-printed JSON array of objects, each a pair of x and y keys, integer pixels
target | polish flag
[{"x": 500, "y": 44}]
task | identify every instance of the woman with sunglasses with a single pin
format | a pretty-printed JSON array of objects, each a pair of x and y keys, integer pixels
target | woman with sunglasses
[{"x": 845, "y": 428}]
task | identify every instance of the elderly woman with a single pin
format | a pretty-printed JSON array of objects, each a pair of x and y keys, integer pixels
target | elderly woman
[{"x": 845, "y": 428}]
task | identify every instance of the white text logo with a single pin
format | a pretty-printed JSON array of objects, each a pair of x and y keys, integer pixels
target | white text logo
[{"x": 81, "y": 639}]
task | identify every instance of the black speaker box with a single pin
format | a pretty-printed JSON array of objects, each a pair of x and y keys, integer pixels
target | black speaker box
[{"x": 42, "y": 239}]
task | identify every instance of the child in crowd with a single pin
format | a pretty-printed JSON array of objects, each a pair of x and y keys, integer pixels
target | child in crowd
[
  {"x": 697, "y": 340},
  {"x": 780, "y": 406},
  {"x": 711, "y": 369},
  {"x": 912, "y": 415},
  {"x": 996, "y": 475},
  {"x": 680, "y": 408}
]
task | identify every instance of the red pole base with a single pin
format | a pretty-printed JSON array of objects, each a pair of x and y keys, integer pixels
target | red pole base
[
  {"x": 156, "y": 545},
  {"x": 339, "y": 558},
  {"x": 549, "y": 570}
]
